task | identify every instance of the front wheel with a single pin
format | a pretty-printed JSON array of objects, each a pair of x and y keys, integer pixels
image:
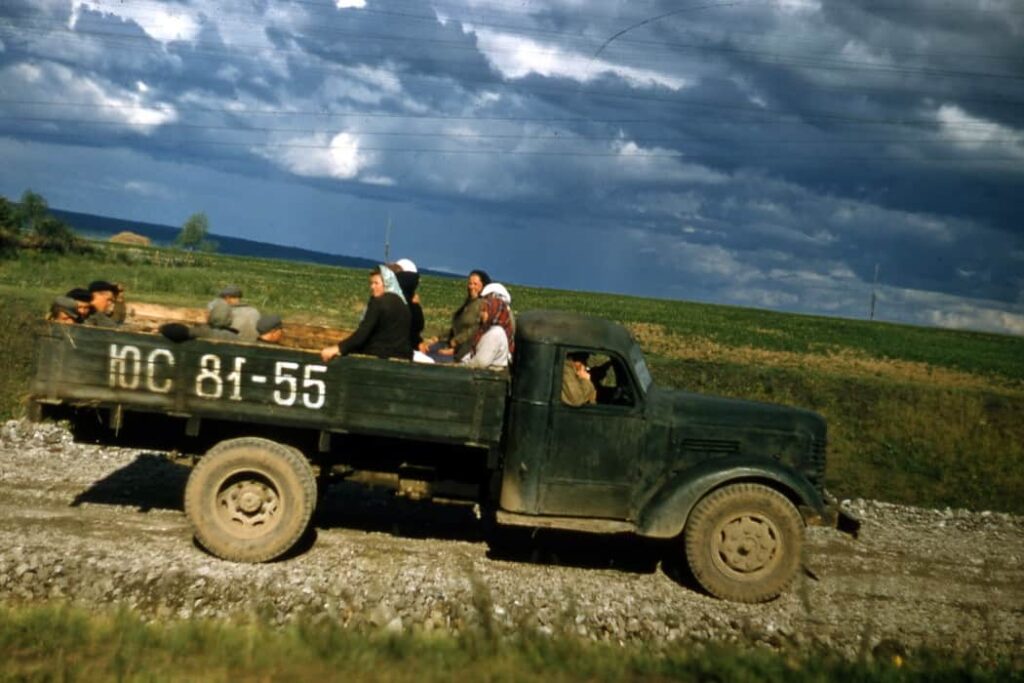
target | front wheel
[
  {"x": 250, "y": 499},
  {"x": 743, "y": 542}
]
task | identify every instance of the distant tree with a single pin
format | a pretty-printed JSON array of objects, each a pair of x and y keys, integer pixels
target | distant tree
[
  {"x": 194, "y": 232},
  {"x": 8, "y": 228},
  {"x": 33, "y": 226},
  {"x": 53, "y": 234},
  {"x": 6, "y": 214},
  {"x": 31, "y": 211}
]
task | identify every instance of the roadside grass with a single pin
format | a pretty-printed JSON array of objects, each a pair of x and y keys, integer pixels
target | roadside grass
[
  {"x": 904, "y": 442},
  {"x": 62, "y": 643},
  {"x": 20, "y": 321},
  {"x": 916, "y": 415}
]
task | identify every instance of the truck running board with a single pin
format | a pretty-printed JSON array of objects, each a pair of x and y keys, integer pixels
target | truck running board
[{"x": 597, "y": 526}]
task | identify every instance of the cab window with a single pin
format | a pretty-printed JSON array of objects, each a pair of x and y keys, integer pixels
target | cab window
[{"x": 595, "y": 379}]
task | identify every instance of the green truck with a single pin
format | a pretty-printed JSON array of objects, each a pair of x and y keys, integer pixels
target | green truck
[{"x": 732, "y": 482}]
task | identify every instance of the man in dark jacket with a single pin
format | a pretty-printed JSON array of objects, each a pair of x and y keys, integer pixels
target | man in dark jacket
[{"x": 384, "y": 330}]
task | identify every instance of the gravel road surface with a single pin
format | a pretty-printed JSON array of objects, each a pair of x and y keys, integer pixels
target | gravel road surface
[{"x": 104, "y": 526}]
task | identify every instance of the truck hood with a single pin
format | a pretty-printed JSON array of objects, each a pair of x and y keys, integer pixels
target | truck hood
[
  {"x": 684, "y": 409},
  {"x": 698, "y": 428}
]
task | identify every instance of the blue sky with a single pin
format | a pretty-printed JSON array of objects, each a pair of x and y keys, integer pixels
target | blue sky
[{"x": 758, "y": 153}]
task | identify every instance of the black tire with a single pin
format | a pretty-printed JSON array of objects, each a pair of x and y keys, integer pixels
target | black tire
[
  {"x": 743, "y": 542},
  {"x": 250, "y": 499}
]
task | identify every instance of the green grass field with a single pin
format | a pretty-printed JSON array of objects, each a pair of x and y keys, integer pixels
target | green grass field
[
  {"x": 58, "y": 643},
  {"x": 922, "y": 416},
  {"x": 916, "y": 415}
]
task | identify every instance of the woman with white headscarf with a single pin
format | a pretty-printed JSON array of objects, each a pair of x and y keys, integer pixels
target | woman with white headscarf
[{"x": 384, "y": 329}]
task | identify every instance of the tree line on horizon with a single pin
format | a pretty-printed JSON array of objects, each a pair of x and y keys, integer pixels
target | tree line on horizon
[{"x": 29, "y": 224}]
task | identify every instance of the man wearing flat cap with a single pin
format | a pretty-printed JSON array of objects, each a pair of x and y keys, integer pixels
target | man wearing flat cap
[
  {"x": 108, "y": 306},
  {"x": 232, "y": 294},
  {"x": 83, "y": 302},
  {"x": 227, "y": 312},
  {"x": 219, "y": 309},
  {"x": 64, "y": 310},
  {"x": 270, "y": 328}
]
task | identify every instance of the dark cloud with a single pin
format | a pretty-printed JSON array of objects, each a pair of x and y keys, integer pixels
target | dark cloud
[{"x": 766, "y": 154}]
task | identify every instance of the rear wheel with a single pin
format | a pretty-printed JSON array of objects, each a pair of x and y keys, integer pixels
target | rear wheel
[
  {"x": 250, "y": 499},
  {"x": 743, "y": 542}
]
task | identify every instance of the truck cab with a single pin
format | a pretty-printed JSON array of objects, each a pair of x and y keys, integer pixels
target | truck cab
[{"x": 643, "y": 458}]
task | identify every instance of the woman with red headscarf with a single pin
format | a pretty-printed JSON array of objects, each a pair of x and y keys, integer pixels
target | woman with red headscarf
[{"x": 494, "y": 341}]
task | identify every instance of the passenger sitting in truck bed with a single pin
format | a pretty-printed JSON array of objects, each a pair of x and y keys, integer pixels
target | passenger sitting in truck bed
[
  {"x": 64, "y": 310},
  {"x": 108, "y": 304},
  {"x": 225, "y": 313},
  {"x": 454, "y": 345},
  {"x": 494, "y": 341},
  {"x": 384, "y": 329},
  {"x": 83, "y": 302},
  {"x": 243, "y": 321},
  {"x": 408, "y": 278},
  {"x": 497, "y": 289},
  {"x": 577, "y": 387},
  {"x": 218, "y": 311}
]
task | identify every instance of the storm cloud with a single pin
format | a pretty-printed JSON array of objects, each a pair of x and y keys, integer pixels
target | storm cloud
[{"x": 775, "y": 154}]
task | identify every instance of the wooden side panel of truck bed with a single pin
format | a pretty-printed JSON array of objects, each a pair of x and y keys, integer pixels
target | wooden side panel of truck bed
[{"x": 268, "y": 385}]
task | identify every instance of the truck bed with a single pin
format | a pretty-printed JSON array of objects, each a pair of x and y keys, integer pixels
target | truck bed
[{"x": 134, "y": 370}]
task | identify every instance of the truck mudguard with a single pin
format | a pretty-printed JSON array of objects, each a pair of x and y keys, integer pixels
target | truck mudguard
[{"x": 665, "y": 513}]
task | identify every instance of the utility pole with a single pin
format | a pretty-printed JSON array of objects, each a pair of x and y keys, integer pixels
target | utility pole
[
  {"x": 874, "y": 287},
  {"x": 387, "y": 241}
]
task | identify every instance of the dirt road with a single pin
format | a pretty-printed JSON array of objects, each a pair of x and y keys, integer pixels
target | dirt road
[{"x": 105, "y": 526}]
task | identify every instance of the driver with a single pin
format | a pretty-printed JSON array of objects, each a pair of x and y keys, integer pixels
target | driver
[{"x": 577, "y": 387}]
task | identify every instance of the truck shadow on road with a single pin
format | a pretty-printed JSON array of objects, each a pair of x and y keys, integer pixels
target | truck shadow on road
[
  {"x": 150, "y": 482},
  {"x": 352, "y": 506},
  {"x": 154, "y": 481}
]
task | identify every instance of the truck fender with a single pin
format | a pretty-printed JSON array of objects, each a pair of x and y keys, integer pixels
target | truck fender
[{"x": 665, "y": 513}]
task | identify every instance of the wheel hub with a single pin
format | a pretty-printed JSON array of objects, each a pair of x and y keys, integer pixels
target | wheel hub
[
  {"x": 249, "y": 503},
  {"x": 747, "y": 544}
]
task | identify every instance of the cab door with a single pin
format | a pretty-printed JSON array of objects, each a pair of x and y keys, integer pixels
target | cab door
[{"x": 594, "y": 450}]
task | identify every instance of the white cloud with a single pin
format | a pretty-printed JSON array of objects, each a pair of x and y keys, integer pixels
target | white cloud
[
  {"x": 695, "y": 261},
  {"x": 962, "y": 313},
  {"x": 517, "y": 57},
  {"x": 362, "y": 84},
  {"x": 148, "y": 189},
  {"x": 113, "y": 103},
  {"x": 798, "y": 6},
  {"x": 319, "y": 156},
  {"x": 974, "y": 134},
  {"x": 862, "y": 218},
  {"x": 658, "y": 163},
  {"x": 164, "y": 23},
  {"x": 350, "y": 4}
]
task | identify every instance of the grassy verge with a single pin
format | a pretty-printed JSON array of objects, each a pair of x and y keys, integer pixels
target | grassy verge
[
  {"x": 916, "y": 415},
  {"x": 21, "y": 318},
  {"x": 919, "y": 444},
  {"x": 63, "y": 643}
]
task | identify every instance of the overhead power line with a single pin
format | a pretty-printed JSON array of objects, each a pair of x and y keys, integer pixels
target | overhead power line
[
  {"x": 566, "y": 136},
  {"x": 705, "y": 156},
  {"x": 811, "y": 60},
  {"x": 757, "y": 114}
]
